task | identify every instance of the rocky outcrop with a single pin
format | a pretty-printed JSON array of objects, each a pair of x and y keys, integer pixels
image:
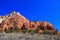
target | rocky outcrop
[
  {"x": 16, "y": 19},
  {"x": 41, "y": 25}
]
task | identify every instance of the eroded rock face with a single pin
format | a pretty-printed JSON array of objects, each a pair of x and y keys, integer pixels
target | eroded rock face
[
  {"x": 16, "y": 19},
  {"x": 41, "y": 25}
]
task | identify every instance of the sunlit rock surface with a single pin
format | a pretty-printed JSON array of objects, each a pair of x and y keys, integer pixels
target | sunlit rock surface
[{"x": 16, "y": 19}]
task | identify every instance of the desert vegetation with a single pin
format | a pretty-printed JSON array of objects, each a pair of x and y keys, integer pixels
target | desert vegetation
[{"x": 23, "y": 30}]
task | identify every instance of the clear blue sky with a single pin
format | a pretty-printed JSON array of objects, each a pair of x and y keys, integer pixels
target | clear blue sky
[{"x": 45, "y": 10}]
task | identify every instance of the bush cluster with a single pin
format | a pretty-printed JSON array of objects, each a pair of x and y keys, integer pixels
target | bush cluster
[
  {"x": 16, "y": 29},
  {"x": 49, "y": 33}
]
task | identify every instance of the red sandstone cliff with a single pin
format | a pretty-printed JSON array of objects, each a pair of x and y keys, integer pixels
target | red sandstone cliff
[{"x": 16, "y": 19}]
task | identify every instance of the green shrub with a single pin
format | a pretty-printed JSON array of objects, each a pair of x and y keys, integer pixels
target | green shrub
[
  {"x": 24, "y": 31},
  {"x": 37, "y": 30},
  {"x": 31, "y": 31},
  {"x": 10, "y": 31},
  {"x": 47, "y": 32}
]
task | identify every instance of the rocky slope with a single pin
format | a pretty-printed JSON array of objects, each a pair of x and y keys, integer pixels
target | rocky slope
[
  {"x": 21, "y": 36},
  {"x": 16, "y": 19}
]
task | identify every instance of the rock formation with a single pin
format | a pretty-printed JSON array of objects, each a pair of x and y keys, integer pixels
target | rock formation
[{"x": 16, "y": 19}]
